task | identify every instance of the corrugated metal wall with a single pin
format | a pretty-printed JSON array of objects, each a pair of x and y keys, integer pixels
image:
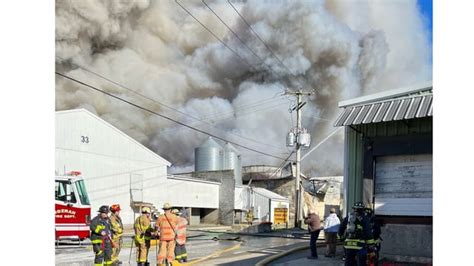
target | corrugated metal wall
[
  {"x": 354, "y": 150},
  {"x": 397, "y": 128},
  {"x": 354, "y": 160}
]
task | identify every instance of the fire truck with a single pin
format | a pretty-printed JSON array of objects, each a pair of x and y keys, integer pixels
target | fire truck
[{"x": 72, "y": 207}]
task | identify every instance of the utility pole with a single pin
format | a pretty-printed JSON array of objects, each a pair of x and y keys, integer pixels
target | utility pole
[
  {"x": 301, "y": 139},
  {"x": 298, "y": 207}
]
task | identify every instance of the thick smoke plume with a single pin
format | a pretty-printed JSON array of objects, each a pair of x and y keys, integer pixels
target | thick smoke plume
[{"x": 342, "y": 49}]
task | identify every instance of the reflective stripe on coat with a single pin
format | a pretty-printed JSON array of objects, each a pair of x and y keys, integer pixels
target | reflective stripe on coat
[
  {"x": 167, "y": 229},
  {"x": 181, "y": 230}
]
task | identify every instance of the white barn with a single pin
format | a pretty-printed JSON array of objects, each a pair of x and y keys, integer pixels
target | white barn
[
  {"x": 265, "y": 204},
  {"x": 118, "y": 169}
]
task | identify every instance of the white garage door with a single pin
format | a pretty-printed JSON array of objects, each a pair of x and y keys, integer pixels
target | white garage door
[{"x": 403, "y": 185}]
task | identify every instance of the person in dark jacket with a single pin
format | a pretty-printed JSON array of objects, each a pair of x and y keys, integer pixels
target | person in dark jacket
[
  {"x": 101, "y": 237},
  {"x": 356, "y": 230},
  {"x": 314, "y": 227},
  {"x": 376, "y": 233}
]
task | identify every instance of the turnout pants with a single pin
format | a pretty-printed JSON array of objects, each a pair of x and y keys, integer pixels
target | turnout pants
[
  {"x": 142, "y": 251},
  {"x": 118, "y": 246},
  {"x": 103, "y": 253},
  {"x": 180, "y": 252},
  {"x": 356, "y": 257},
  {"x": 166, "y": 251}
]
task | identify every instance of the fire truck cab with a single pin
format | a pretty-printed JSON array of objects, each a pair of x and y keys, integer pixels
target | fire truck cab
[{"x": 72, "y": 207}]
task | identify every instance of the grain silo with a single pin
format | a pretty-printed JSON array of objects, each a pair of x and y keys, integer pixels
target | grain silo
[
  {"x": 208, "y": 156},
  {"x": 232, "y": 161}
]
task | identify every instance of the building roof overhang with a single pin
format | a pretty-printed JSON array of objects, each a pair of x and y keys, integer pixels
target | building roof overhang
[{"x": 399, "y": 104}]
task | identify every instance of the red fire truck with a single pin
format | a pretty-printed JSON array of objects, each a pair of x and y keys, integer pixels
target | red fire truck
[{"x": 73, "y": 210}]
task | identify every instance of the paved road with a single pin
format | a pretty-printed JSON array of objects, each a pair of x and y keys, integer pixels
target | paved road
[
  {"x": 254, "y": 249},
  {"x": 251, "y": 250},
  {"x": 299, "y": 258},
  {"x": 72, "y": 255}
]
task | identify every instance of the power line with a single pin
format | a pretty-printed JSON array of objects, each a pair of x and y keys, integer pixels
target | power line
[
  {"x": 163, "y": 116},
  {"x": 160, "y": 103},
  {"x": 126, "y": 88},
  {"x": 280, "y": 167},
  {"x": 244, "y": 113},
  {"x": 252, "y": 112},
  {"x": 258, "y": 36},
  {"x": 215, "y": 36},
  {"x": 244, "y": 106},
  {"x": 237, "y": 36},
  {"x": 151, "y": 99}
]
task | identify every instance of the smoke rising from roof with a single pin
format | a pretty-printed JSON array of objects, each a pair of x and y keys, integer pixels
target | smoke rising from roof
[{"x": 342, "y": 49}]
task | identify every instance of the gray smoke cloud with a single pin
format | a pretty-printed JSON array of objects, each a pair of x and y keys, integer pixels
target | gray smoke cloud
[{"x": 343, "y": 49}]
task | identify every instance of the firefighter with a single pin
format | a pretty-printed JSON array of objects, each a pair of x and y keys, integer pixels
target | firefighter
[
  {"x": 166, "y": 225},
  {"x": 249, "y": 216},
  {"x": 101, "y": 237},
  {"x": 180, "y": 250},
  {"x": 376, "y": 233},
  {"x": 142, "y": 227},
  {"x": 356, "y": 230},
  {"x": 117, "y": 232}
]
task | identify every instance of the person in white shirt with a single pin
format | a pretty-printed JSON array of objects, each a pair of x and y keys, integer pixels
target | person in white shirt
[{"x": 331, "y": 226}]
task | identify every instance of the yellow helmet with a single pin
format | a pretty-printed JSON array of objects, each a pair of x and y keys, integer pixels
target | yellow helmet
[
  {"x": 146, "y": 210},
  {"x": 175, "y": 211},
  {"x": 166, "y": 206}
]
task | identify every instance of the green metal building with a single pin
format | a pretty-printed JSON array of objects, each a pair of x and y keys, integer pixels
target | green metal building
[{"x": 388, "y": 165}]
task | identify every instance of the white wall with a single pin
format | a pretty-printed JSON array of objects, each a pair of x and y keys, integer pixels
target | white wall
[
  {"x": 263, "y": 206},
  {"x": 182, "y": 192},
  {"x": 261, "y": 209},
  {"x": 109, "y": 159},
  {"x": 241, "y": 198}
]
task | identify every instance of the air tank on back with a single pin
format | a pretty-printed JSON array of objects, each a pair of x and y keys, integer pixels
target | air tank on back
[
  {"x": 208, "y": 156},
  {"x": 232, "y": 161}
]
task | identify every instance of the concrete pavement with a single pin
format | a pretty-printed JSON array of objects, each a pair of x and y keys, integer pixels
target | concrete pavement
[{"x": 299, "y": 257}]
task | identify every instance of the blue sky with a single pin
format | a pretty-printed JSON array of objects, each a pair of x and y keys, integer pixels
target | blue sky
[{"x": 426, "y": 8}]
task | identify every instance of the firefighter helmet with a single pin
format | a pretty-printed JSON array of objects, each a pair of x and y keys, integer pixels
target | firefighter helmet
[
  {"x": 115, "y": 208},
  {"x": 358, "y": 205},
  {"x": 146, "y": 210},
  {"x": 166, "y": 206},
  {"x": 104, "y": 209}
]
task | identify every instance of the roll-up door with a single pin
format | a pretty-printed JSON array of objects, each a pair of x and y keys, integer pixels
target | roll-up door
[{"x": 403, "y": 185}]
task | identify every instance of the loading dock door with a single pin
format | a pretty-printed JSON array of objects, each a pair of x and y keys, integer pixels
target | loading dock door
[{"x": 404, "y": 185}]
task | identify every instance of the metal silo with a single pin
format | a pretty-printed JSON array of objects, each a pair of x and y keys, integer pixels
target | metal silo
[
  {"x": 238, "y": 171},
  {"x": 208, "y": 156},
  {"x": 230, "y": 157},
  {"x": 232, "y": 161}
]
